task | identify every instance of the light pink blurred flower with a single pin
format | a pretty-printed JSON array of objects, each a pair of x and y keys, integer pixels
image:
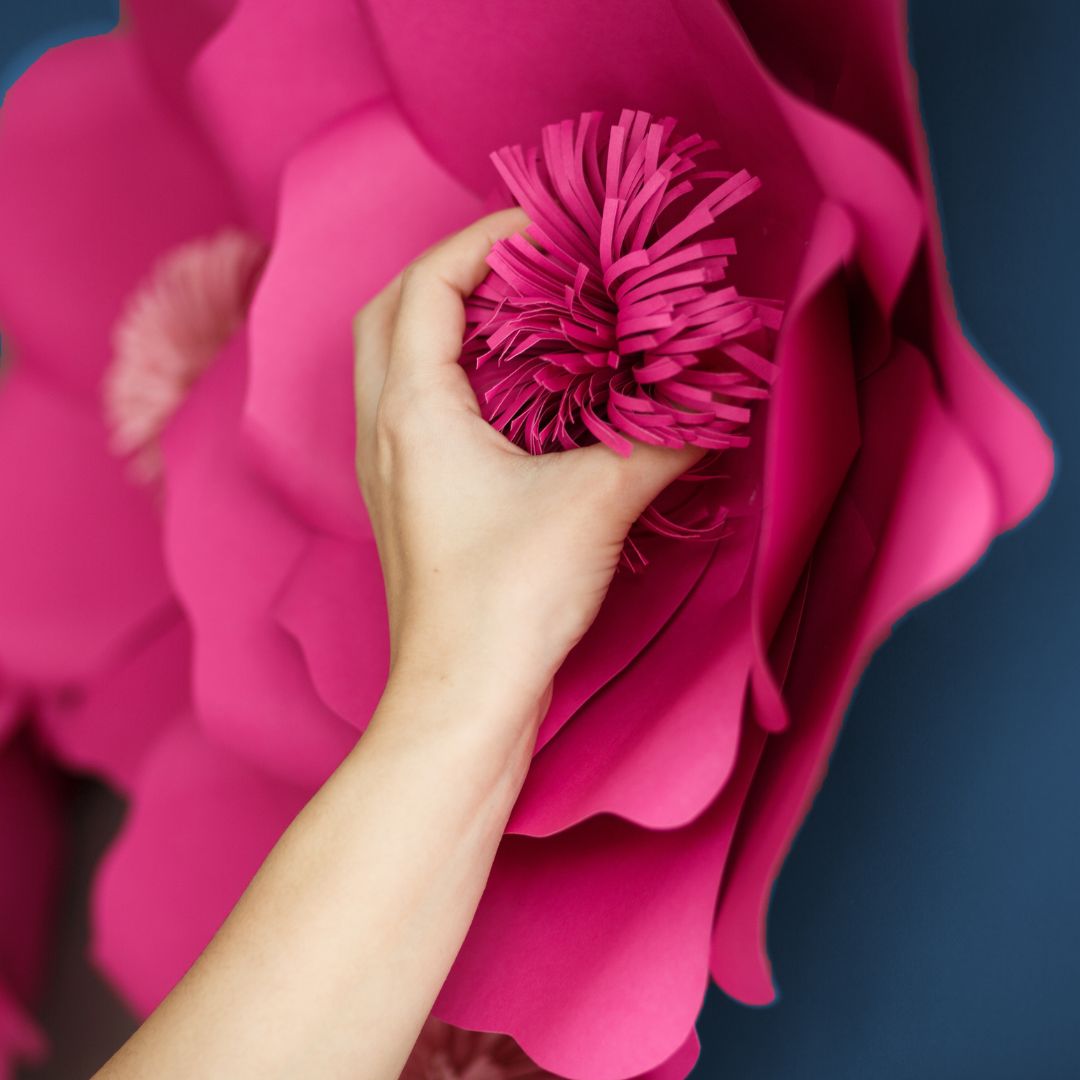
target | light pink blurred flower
[
  {"x": 691, "y": 727},
  {"x": 101, "y": 177},
  {"x": 171, "y": 330}
]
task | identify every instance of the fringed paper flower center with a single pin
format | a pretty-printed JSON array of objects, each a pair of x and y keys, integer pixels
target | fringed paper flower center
[
  {"x": 615, "y": 319},
  {"x": 448, "y": 1053},
  {"x": 172, "y": 328}
]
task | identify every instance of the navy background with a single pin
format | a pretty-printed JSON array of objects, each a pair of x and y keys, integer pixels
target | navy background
[{"x": 926, "y": 922}]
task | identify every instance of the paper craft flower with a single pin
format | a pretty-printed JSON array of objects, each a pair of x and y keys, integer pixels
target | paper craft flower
[
  {"x": 690, "y": 728},
  {"x": 172, "y": 329},
  {"x": 614, "y": 319},
  {"x": 100, "y": 179},
  {"x": 617, "y": 319}
]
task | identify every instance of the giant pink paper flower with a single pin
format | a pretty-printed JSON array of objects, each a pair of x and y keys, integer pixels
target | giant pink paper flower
[{"x": 691, "y": 726}]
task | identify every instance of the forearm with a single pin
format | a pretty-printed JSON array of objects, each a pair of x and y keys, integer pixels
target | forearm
[{"x": 331, "y": 960}]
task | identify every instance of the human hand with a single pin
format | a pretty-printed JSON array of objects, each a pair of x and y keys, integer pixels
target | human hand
[{"x": 495, "y": 561}]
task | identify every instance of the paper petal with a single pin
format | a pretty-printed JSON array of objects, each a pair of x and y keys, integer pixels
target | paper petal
[
  {"x": 813, "y": 434},
  {"x": 275, "y": 74},
  {"x": 627, "y": 906},
  {"x": 80, "y": 561},
  {"x": 657, "y": 744},
  {"x": 200, "y": 824},
  {"x": 230, "y": 546},
  {"x": 170, "y": 36},
  {"x": 74, "y": 249},
  {"x": 916, "y": 513},
  {"x": 106, "y": 726},
  {"x": 334, "y": 606},
  {"x": 359, "y": 203}
]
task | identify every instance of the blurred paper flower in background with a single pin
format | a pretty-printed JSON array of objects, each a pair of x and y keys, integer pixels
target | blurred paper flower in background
[{"x": 690, "y": 728}]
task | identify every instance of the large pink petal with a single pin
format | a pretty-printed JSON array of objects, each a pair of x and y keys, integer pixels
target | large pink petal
[
  {"x": 851, "y": 59},
  {"x": 1012, "y": 444},
  {"x": 525, "y": 72},
  {"x": 171, "y": 35},
  {"x": 358, "y": 204},
  {"x": 230, "y": 546},
  {"x": 80, "y": 562},
  {"x": 638, "y": 605},
  {"x": 812, "y": 436},
  {"x": 657, "y": 744},
  {"x": 97, "y": 179},
  {"x": 838, "y": 55},
  {"x": 200, "y": 824},
  {"x": 590, "y": 947},
  {"x": 849, "y": 169},
  {"x": 680, "y": 1064},
  {"x": 274, "y": 75},
  {"x": 108, "y": 725},
  {"x": 334, "y": 605},
  {"x": 918, "y": 510}
]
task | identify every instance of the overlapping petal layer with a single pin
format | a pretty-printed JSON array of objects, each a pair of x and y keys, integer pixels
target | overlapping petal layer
[
  {"x": 81, "y": 572},
  {"x": 98, "y": 179},
  {"x": 274, "y": 75}
]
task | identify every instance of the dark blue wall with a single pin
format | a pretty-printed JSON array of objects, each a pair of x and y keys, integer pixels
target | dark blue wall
[{"x": 926, "y": 923}]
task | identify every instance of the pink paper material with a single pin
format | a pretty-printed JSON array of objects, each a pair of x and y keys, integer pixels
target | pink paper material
[
  {"x": 691, "y": 727},
  {"x": 618, "y": 319},
  {"x": 613, "y": 318}
]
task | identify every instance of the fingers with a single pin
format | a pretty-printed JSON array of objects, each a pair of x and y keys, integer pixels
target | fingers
[
  {"x": 431, "y": 316},
  {"x": 417, "y": 322}
]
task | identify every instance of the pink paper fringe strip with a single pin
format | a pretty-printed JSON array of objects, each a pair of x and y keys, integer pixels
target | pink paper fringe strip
[{"x": 617, "y": 320}]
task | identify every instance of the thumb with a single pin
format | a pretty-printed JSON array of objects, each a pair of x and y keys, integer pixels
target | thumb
[{"x": 635, "y": 480}]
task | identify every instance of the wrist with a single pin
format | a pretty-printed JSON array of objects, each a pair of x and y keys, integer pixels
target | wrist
[
  {"x": 478, "y": 660},
  {"x": 484, "y": 720}
]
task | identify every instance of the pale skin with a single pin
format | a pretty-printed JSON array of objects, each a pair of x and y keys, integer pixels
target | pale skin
[{"x": 495, "y": 565}]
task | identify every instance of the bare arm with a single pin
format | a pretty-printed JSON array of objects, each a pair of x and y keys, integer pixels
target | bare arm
[{"x": 495, "y": 565}]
